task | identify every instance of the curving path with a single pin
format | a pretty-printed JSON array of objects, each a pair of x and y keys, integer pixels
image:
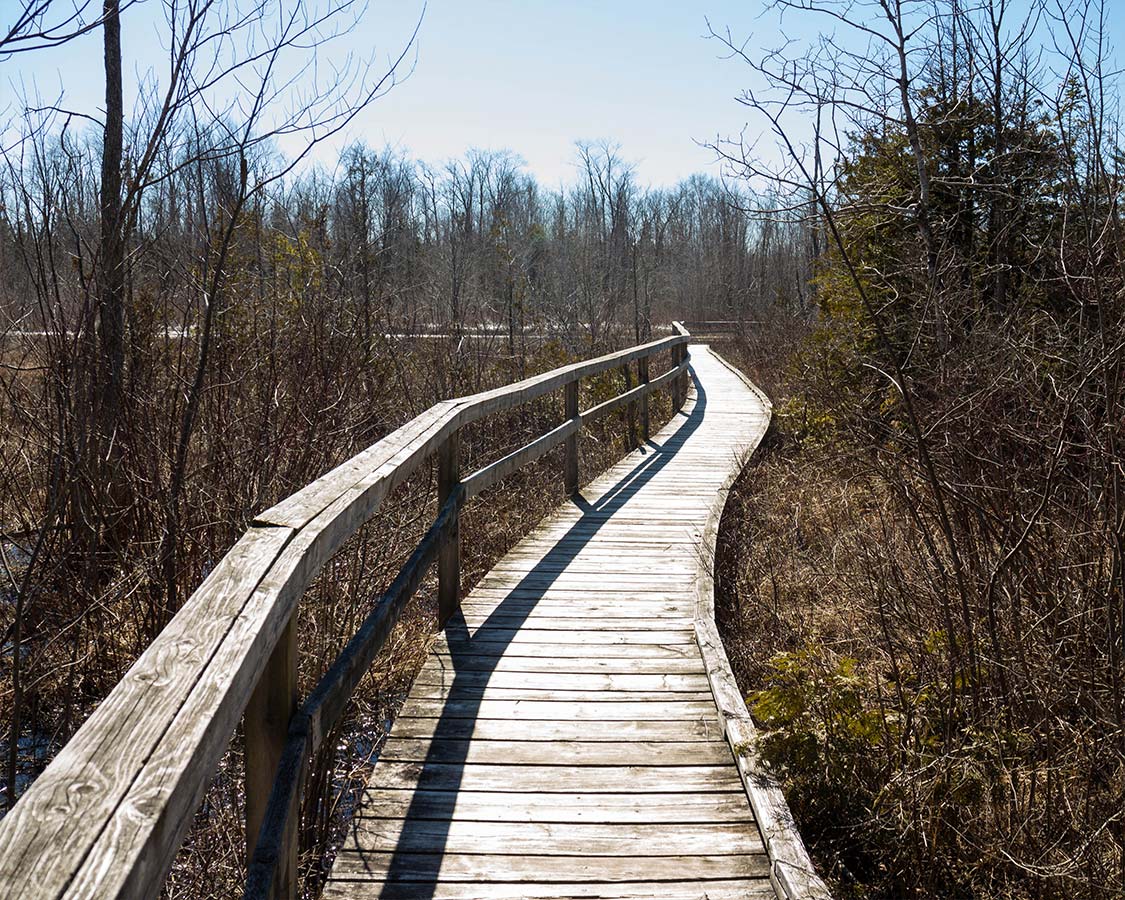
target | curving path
[{"x": 572, "y": 733}]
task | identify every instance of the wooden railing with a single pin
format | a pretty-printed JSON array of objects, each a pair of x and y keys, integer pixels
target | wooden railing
[
  {"x": 702, "y": 328},
  {"x": 107, "y": 816}
]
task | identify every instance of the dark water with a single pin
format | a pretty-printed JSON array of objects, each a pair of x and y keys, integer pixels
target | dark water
[
  {"x": 35, "y": 751},
  {"x": 17, "y": 558}
]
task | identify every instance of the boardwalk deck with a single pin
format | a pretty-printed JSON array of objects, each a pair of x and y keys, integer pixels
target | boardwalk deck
[{"x": 563, "y": 739}]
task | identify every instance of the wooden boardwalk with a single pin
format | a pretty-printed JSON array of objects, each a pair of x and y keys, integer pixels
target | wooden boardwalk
[
  {"x": 564, "y": 739},
  {"x": 571, "y": 735}
]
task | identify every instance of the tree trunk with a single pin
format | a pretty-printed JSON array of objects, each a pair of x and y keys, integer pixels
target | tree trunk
[{"x": 110, "y": 364}]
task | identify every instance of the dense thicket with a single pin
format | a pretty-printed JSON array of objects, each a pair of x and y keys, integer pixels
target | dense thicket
[{"x": 936, "y": 537}]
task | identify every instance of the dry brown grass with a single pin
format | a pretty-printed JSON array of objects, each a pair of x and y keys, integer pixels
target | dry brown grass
[{"x": 909, "y": 775}]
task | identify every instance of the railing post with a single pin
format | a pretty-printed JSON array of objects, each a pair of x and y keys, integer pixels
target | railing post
[
  {"x": 642, "y": 375},
  {"x": 683, "y": 379},
  {"x": 677, "y": 400},
  {"x": 570, "y": 466},
  {"x": 266, "y": 724},
  {"x": 449, "y": 558},
  {"x": 630, "y": 411}
]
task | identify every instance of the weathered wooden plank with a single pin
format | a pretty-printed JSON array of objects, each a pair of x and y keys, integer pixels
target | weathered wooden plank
[
  {"x": 552, "y": 614},
  {"x": 593, "y": 582},
  {"x": 561, "y": 566},
  {"x": 596, "y": 554},
  {"x": 597, "y": 580},
  {"x": 610, "y": 809},
  {"x": 573, "y": 565},
  {"x": 601, "y": 524},
  {"x": 623, "y": 539},
  {"x": 367, "y": 470},
  {"x": 561, "y": 779},
  {"x": 518, "y": 710},
  {"x": 532, "y": 635},
  {"x": 593, "y": 554},
  {"x": 485, "y": 623},
  {"x": 634, "y": 530},
  {"x": 554, "y": 681},
  {"x": 576, "y": 598},
  {"x": 715, "y": 889},
  {"x": 480, "y": 868},
  {"x": 571, "y": 753},
  {"x": 553, "y": 839},
  {"x": 622, "y": 513},
  {"x": 435, "y": 727},
  {"x": 489, "y": 475},
  {"x": 560, "y": 694},
  {"x": 471, "y": 662},
  {"x": 88, "y": 792},
  {"x": 553, "y": 650},
  {"x": 580, "y": 604}
]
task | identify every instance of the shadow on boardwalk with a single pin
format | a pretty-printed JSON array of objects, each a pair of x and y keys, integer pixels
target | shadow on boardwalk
[{"x": 414, "y": 873}]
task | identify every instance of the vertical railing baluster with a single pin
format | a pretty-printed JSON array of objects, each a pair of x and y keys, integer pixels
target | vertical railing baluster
[
  {"x": 449, "y": 558},
  {"x": 630, "y": 411},
  {"x": 642, "y": 375},
  {"x": 570, "y": 465},
  {"x": 684, "y": 381},
  {"x": 677, "y": 400},
  {"x": 265, "y": 728}
]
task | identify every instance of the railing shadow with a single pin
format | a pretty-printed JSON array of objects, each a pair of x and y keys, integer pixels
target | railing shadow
[{"x": 413, "y": 871}]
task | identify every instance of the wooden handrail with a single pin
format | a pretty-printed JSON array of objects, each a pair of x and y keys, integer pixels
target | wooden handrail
[
  {"x": 697, "y": 326},
  {"x": 107, "y": 816}
]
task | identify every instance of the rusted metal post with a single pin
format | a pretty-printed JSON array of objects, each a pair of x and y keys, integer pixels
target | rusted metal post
[
  {"x": 570, "y": 465},
  {"x": 449, "y": 557},
  {"x": 266, "y": 725}
]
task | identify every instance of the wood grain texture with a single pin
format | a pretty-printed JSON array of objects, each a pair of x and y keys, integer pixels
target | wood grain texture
[
  {"x": 571, "y": 698},
  {"x": 564, "y": 839},
  {"x": 432, "y": 674},
  {"x": 552, "y": 778},
  {"x": 611, "y": 809},
  {"x": 487, "y": 476},
  {"x": 661, "y": 730},
  {"x": 477, "y": 868},
  {"x": 99, "y": 794},
  {"x": 107, "y": 816},
  {"x": 718, "y": 889},
  {"x": 562, "y": 738},
  {"x": 563, "y": 753}
]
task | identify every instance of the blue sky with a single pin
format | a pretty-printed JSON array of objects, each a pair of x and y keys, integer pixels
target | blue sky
[
  {"x": 532, "y": 77},
  {"x": 537, "y": 76}
]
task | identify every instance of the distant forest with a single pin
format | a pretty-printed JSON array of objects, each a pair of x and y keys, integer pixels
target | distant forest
[{"x": 397, "y": 245}]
